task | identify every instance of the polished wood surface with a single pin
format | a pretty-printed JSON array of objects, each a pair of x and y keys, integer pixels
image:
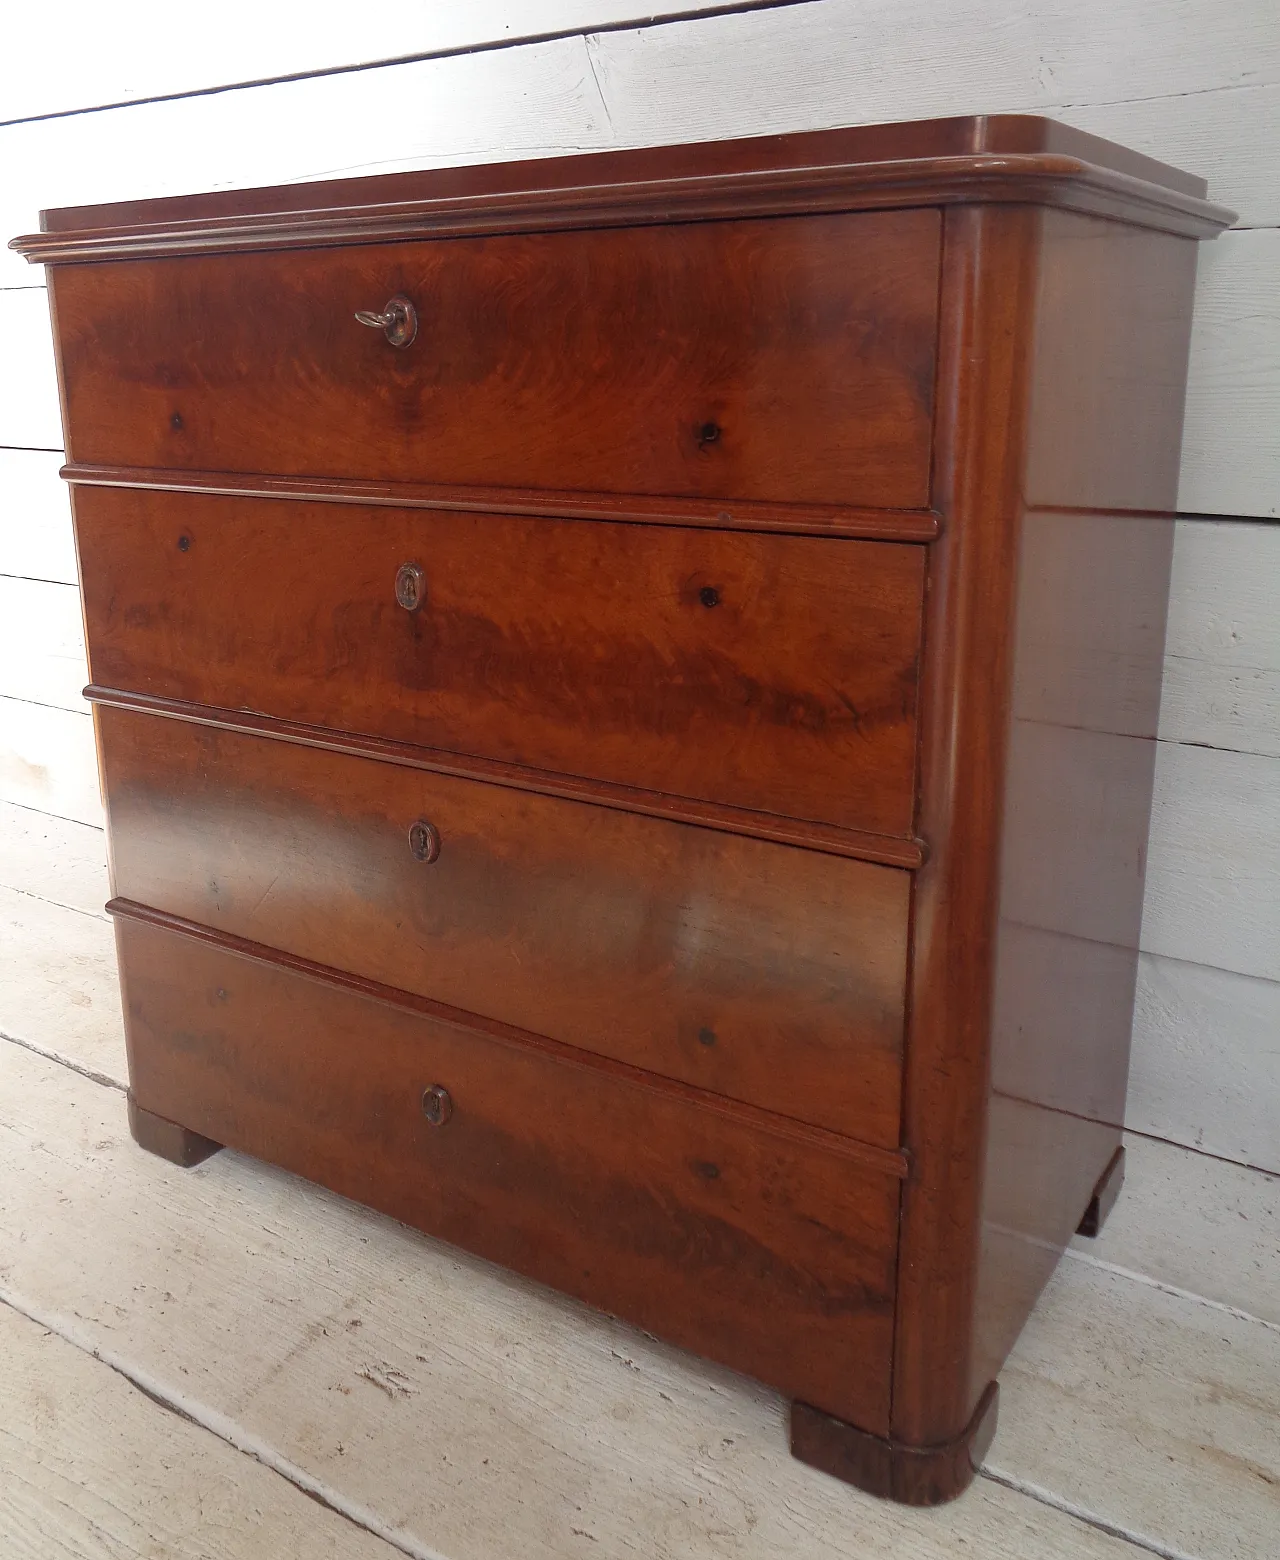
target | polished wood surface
[
  {"x": 889, "y": 525},
  {"x": 179, "y": 1145},
  {"x": 775, "y": 361},
  {"x": 859, "y": 844},
  {"x": 756, "y": 971},
  {"x": 995, "y": 159},
  {"x": 894, "y": 1470},
  {"x": 729, "y": 633},
  {"x": 857, "y": 147},
  {"x": 767, "y": 672},
  {"x": 758, "y": 1253}
]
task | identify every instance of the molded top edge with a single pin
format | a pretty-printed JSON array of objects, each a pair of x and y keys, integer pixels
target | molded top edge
[{"x": 859, "y": 158}]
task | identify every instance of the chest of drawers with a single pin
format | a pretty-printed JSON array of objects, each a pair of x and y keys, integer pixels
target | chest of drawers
[{"x": 626, "y": 694}]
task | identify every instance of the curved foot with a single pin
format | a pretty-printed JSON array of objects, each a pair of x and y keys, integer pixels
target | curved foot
[
  {"x": 160, "y": 1136},
  {"x": 911, "y": 1475}
]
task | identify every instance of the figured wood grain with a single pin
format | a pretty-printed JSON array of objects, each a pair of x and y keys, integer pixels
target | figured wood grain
[
  {"x": 856, "y": 843},
  {"x": 1062, "y": 357},
  {"x": 768, "y": 361},
  {"x": 755, "y": 971},
  {"x": 471, "y": 1409},
  {"x": 775, "y": 673},
  {"x": 891, "y": 525},
  {"x": 674, "y": 1215}
]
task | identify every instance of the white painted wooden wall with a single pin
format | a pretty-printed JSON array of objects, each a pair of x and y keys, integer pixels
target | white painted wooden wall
[{"x": 141, "y": 99}]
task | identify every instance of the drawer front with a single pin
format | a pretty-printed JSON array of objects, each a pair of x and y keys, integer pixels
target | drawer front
[
  {"x": 760, "y": 1250},
  {"x": 785, "y": 360},
  {"x": 758, "y": 971},
  {"x": 776, "y": 673}
]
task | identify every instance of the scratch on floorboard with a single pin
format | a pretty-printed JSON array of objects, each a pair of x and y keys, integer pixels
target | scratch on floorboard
[
  {"x": 225, "y": 1429},
  {"x": 1169, "y": 1289}
]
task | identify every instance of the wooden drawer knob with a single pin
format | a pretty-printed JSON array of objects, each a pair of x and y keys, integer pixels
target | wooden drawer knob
[
  {"x": 424, "y": 840},
  {"x": 437, "y": 1104},
  {"x": 411, "y": 586},
  {"x": 398, "y": 321}
]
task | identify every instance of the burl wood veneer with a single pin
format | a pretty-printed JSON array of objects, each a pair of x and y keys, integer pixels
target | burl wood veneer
[{"x": 626, "y": 690}]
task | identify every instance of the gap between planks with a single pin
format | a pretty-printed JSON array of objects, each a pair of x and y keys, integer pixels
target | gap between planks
[
  {"x": 1068, "y": 1508},
  {"x": 640, "y": 23},
  {"x": 218, "y": 1425}
]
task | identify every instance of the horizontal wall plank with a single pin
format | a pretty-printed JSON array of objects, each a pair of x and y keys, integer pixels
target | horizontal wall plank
[
  {"x": 36, "y": 537},
  {"x": 1213, "y": 862},
  {"x": 29, "y": 413},
  {"x": 42, "y": 643},
  {"x": 154, "y": 1485},
  {"x": 120, "y": 53},
  {"x": 863, "y": 61},
  {"x": 1206, "y": 1061},
  {"x": 1222, "y": 654},
  {"x": 1231, "y": 438},
  {"x": 48, "y": 761},
  {"x": 536, "y": 100}
]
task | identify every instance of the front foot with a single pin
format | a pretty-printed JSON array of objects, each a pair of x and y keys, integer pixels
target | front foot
[
  {"x": 166, "y": 1138},
  {"x": 911, "y": 1475}
]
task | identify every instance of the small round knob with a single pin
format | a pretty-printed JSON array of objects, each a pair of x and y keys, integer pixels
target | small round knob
[
  {"x": 437, "y": 1104},
  {"x": 398, "y": 322},
  {"x": 411, "y": 586},
  {"x": 424, "y": 840}
]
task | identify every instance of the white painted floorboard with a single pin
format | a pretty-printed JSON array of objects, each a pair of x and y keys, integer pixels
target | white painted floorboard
[
  {"x": 93, "y": 1468},
  {"x": 459, "y": 1411}
]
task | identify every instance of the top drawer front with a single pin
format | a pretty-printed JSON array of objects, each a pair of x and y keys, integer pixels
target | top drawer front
[{"x": 789, "y": 360}]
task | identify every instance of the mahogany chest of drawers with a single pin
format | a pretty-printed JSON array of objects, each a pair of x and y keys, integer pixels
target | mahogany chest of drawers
[{"x": 626, "y": 689}]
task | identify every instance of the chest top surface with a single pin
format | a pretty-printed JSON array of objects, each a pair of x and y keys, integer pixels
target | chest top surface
[{"x": 990, "y": 158}]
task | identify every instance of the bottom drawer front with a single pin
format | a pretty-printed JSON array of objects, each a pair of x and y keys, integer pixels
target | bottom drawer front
[{"x": 772, "y": 1254}]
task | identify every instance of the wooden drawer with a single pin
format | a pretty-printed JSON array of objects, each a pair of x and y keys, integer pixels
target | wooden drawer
[
  {"x": 757, "y": 1248},
  {"x": 775, "y": 673},
  {"x": 787, "y": 360},
  {"x": 758, "y": 971}
]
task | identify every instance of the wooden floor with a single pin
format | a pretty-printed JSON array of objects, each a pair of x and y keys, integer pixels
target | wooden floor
[{"x": 228, "y": 1362}]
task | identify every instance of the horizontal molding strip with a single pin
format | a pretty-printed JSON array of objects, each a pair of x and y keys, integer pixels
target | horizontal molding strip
[
  {"x": 887, "y": 1161},
  {"x": 1037, "y": 178},
  {"x": 884, "y": 849},
  {"x": 891, "y": 525}
]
